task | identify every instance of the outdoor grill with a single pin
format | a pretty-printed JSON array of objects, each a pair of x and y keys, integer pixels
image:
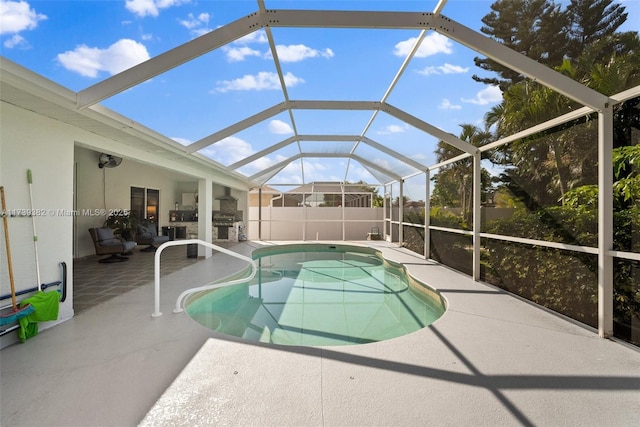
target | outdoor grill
[{"x": 223, "y": 220}]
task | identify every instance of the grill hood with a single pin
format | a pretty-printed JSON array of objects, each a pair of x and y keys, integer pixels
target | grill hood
[{"x": 227, "y": 195}]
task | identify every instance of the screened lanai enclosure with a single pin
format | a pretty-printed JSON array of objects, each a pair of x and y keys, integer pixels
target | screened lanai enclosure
[{"x": 542, "y": 199}]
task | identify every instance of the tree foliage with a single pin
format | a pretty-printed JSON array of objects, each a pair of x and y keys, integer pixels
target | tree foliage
[
  {"x": 534, "y": 28},
  {"x": 550, "y": 178},
  {"x": 453, "y": 185}
]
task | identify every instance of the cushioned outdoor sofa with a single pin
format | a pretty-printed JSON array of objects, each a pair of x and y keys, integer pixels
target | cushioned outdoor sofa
[
  {"x": 107, "y": 243},
  {"x": 148, "y": 235}
]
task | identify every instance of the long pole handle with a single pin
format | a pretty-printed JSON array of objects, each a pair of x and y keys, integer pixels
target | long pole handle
[
  {"x": 35, "y": 235},
  {"x": 6, "y": 240}
]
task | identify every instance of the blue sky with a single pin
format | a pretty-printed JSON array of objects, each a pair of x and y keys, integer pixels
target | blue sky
[{"x": 79, "y": 43}]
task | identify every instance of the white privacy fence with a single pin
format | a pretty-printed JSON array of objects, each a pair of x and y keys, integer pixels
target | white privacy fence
[{"x": 313, "y": 223}]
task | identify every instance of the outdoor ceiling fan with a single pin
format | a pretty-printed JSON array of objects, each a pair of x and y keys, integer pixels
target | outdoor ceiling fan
[{"x": 108, "y": 161}]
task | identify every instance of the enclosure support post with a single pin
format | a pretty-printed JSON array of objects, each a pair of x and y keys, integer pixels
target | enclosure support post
[
  {"x": 260, "y": 213},
  {"x": 427, "y": 210},
  {"x": 304, "y": 215},
  {"x": 605, "y": 222},
  {"x": 384, "y": 211},
  {"x": 205, "y": 207},
  {"x": 344, "y": 231},
  {"x": 477, "y": 213},
  {"x": 401, "y": 214}
]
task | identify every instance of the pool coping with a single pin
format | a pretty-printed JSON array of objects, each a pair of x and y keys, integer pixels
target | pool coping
[
  {"x": 491, "y": 359},
  {"x": 199, "y": 305}
]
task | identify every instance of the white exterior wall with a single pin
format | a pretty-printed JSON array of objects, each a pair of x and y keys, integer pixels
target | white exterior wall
[
  {"x": 53, "y": 150},
  {"x": 119, "y": 181},
  {"x": 31, "y": 141}
]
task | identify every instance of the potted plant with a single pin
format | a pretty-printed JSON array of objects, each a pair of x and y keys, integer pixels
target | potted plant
[{"x": 123, "y": 224}]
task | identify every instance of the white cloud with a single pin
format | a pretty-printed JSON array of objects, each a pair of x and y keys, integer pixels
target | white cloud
[
  {"x": 90, "y": 61},
  {"x": 358, "y": 173},
  {"x": 432, "y": 44},
  {"x": 240, "y": 50},
  {"x": 447, "y": 105},
  {"x": 393, "y": 129},
  {"x": 262, "y": 81},
  {"x": 262, "y": 164},
  {"x": 300, "y": 52},
  {"x": 314, "y": 170},
  {"x": 194, "y": 22},
  {"x": 151, "y": 7},
  {"x": 17, "y": 16},
  {"x": 15, "y": 41},
  {"x": 228, "y": 150},
  {"x": 489, "y": 95},
  {"x": 279, "y": 127},
  {"x": 237, "y": 54},
  {"x": 197, "y": 25},
  {"x": 452, "y": 69},
  {"x": 444, "y": 69},
  {"x": 259, "y": 36}
]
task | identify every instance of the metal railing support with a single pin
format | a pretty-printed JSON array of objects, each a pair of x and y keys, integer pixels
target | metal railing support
[{"x": 156, "y": 277}]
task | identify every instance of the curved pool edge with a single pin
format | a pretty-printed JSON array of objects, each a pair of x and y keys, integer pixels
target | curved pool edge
[{"x": 430, "y": 292}]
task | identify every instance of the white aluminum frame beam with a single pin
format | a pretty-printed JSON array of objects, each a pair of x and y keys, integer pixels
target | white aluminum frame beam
[
  {"x": 168, "y": 60},
  {"x": 447, "y": 27},
  {"x": 400, "y": 157},
  {"x": 236, "y": 127},
  {"x": 274, "y": 168},
  {"x": 439, "y": 6},
  {"x": 333, "y": 105},
  {"x": 277, "y": 167},
  {"x": 605, "y": 223},
  {"x": 262, "y": 153},
  {"x": 281, "y": 165},
  {"x": 375, "y": 167},
  {"x": 581, "y": 112},
  {"x": 428, "y": 128},
  {"x": 348, "y": 19},
  {"x": 277, "y": 109},
  {"x": 404, "y": 159},
  {"x": 477, "y": 213}
]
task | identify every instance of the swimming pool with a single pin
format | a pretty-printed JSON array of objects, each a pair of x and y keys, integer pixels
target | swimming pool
[{"x": 317, "y": 295}]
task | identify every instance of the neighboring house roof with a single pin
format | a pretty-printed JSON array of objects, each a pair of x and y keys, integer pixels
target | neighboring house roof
[{"x": 329, "y": 187}]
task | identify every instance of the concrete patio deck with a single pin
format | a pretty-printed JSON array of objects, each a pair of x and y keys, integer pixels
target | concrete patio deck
[{"x": 492, "y": 359}]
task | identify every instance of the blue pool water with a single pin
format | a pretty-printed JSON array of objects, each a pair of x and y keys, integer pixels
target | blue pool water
[{"x": 317, "y": 295}]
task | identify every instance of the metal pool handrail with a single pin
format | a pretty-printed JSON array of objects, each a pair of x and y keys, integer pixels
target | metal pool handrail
[{"x": 178, "y": 309}]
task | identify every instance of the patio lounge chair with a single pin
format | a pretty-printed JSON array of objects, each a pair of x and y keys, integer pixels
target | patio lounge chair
[
  {"x": 106, "y": 243},
  {"x": 148, "y": 235}
]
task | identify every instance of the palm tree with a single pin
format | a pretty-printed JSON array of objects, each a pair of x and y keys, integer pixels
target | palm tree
[
  {"x": 458, "y": 176},
  {"x": 564, "y": 157}
]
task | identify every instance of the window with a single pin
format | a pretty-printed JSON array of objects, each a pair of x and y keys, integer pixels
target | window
[{"x": 145, "y": 204}]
